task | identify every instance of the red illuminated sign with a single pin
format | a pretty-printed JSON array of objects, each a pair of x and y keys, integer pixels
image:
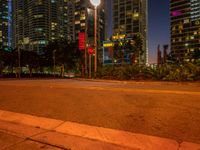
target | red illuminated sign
[
  {"x": 81, "y": 37},
  {"x": 90, "y": 50}
]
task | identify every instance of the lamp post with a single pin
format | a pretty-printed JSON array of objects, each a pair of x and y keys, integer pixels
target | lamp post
[
  {"x": 95, "y": 3},
  {"x": 19, "y": 59},
  {"x": 19, "y": 63},
  {"x": 54, "y": 62}
]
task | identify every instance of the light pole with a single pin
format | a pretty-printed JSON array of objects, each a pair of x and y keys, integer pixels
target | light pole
[
  {"x": 19, "y": 64},
  {"x": 95, "y": 3},
  {"x": 54, "y": 62},
  {"x": 19, "y": 59}
]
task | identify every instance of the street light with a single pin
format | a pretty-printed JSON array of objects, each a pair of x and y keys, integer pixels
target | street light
[
  {"x": 95, "y": 3},
  {"x": 19, "y": 64},
  {"x": 19, "y": 59},
  {"x": 54, "y": 62}
]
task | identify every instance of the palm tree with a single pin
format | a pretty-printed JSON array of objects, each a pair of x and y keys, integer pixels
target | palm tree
[
  {"x": 66, "y": 54},
  {"x": 132, "y": 46},
  {"x": 138, "y": 46}
]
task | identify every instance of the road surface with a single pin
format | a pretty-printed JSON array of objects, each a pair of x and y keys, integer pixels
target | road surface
[{"x": 169, "y": 110}]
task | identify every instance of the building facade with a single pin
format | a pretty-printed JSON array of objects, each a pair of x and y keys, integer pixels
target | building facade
[
  {"x": 185, "y": 28},
  {"x": 36, "y": 22},
  {"x": 131, "y": 17},
  {"x": 5, "y": 24},
  {"x": 84, "y": 20}
]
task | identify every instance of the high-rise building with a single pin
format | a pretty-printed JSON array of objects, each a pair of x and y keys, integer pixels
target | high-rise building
[
  {"x": 185, "y": 28},
  {"x": 38, "y": 22},
  {"x": 5, "y": 24},
  {"x": 130, "y": 17},
  {"x": 84, "y": 20}
]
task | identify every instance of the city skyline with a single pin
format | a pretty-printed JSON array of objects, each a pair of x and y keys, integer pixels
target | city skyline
[
  {"x": 158, "y": 26},
  {"x": 155, "y": 32}
]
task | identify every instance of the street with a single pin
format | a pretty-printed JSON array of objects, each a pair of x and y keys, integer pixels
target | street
[{"x": 164, "y": 109}]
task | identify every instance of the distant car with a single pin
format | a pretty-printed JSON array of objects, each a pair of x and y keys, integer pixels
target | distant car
[{"x": 69, "y": 75}]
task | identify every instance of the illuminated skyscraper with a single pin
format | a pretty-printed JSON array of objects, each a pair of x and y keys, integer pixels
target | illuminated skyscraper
[
  {"x": 36, "y": 22},
  {"x": 185, "y": 28},
  {"x": 84, "y": 20},
  {"x": 5, "y": 24},
  {"x": 130, "y": 17}
]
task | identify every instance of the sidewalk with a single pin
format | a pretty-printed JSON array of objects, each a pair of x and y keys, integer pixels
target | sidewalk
[
  {"x": 13, "y": 142},
  {"x": 26, "y": 132},
  {"x": 22, "y": 137}
]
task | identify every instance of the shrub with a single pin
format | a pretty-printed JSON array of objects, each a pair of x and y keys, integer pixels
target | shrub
[{"x": 172, "y": 72}]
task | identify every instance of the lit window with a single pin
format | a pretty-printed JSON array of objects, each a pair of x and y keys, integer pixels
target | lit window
[
  {"x": 82, "y": 24},
  {"x": 82, "y": 17},
  {"x": 77, "y": 22},
  {"x": 186, "y": 21},
  {"x": 38, "y": 16}
]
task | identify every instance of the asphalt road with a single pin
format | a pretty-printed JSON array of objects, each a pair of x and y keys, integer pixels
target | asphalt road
[{"x": 170, "y": 110}]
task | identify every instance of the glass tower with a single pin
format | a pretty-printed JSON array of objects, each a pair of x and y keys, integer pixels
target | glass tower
[
  {"x": 36, "y": 22},
  {"x": 130, "y": 17},
  {"x": 185, "y": 29},
  {"x": 5, "y": 24},
  {"x": 84, "y": 20}
]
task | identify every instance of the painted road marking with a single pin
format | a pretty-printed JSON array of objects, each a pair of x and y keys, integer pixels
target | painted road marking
[
  {"x": 98, "y": 88},
  {"x": 140, "y": 90}
]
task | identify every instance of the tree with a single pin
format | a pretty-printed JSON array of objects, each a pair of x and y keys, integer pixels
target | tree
[
  {"x": 10, "y": 58},
  {"x": 66, "y": 54},
  {"x": 47, "y": 55},
  {"x": 129, "y": 46},
  {"x": 118, "y": 51},
  {"x": 138, "y": 46},
  {"x": 30, "y": 59},
  {"x": 1, "y": 61},
  {"x": 196, "y": 56}
]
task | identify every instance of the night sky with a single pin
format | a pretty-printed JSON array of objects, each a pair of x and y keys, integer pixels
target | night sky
[{"x": 159, "y": 26}]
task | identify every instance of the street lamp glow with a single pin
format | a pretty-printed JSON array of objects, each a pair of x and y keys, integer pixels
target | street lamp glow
[{"x": 95, "y": 2}]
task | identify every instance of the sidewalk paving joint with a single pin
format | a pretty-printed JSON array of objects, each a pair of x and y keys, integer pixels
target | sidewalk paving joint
[{"x": 58, "y": 133}]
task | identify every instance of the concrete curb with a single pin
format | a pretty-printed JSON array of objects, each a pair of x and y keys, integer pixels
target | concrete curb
[
  {"x": 116, "y": 137},
  {"x": 137, "y": 81}
]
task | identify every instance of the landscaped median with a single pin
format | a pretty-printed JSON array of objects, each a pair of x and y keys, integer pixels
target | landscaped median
[{"x": 166, "y": 72}]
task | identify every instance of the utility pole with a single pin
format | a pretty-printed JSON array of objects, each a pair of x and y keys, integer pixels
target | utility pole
[
  {"x": 54, "y": 62},
  {"x": 95, "y": 3},
  {"x": 95, "y": 41},
  {"x": 90, "y": 66},
  {"x": 19, "y": 61}
]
